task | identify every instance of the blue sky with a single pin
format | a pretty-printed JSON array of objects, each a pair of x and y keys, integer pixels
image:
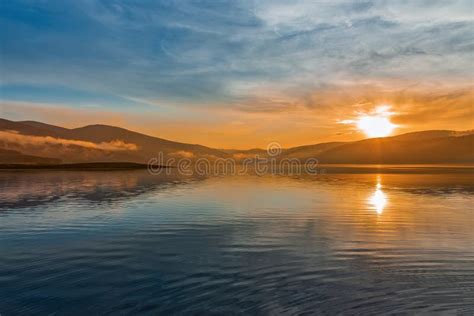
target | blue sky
[{"x": 167, "y": 58}]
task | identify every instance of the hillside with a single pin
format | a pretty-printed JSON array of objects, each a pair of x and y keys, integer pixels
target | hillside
[
  {"x": 10, "y": 156},
  {"x": 93, "y": 143},
  {"x": 36, "y": 142},
  {"x": 417, "y": 148}
]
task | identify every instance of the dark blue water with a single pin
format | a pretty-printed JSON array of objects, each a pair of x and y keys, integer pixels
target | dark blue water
[{"x": 78, "y": 243}]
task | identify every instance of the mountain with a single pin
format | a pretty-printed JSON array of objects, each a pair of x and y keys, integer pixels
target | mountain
[
  {"x": 12, "y": 156},
  {"x": 93, "y": 143},
  {"x": 417, "y": 148},
  {"x": 36, "y": 142},
  {"x": 310, "y": 151}
]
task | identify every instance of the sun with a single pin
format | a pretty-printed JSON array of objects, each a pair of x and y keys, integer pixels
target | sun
[{"x": 376, "y": 124}]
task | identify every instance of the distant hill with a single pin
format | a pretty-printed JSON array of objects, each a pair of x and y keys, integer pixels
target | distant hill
[
  {"x": 93, "y": 143},
  {"x": 421, "y": 147},
  {"x": 10, "y": 156},
  {"x": 36, "y": 142},
  {"x": 310, "y": 151}
]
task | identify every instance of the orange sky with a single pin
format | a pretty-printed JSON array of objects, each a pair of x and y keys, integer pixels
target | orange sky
[
  {"x": 239, "y": 74},
  {"x": 290, "y": 120}
]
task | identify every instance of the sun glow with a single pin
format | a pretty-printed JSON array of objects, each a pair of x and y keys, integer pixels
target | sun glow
[{"x": 376, "y": 124}]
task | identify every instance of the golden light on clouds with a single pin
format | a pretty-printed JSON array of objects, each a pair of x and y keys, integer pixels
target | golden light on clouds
[{"x": 293, "y": 118}]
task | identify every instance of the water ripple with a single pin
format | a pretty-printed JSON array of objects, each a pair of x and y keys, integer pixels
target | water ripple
[{"x": 75, "y": 243}]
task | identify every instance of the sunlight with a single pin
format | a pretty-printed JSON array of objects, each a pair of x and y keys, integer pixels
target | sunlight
[
  {"x": 378, "y": 199},
  {"x": 377, "y": 124}
]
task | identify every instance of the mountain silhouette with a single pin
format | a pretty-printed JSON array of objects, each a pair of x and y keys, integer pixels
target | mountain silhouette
[
  {"x": 39, "y": 139},
  {"x": 39, "y": 143},
  {"x": 424, "y": 147},
  {"x": 12, "y": 156}
]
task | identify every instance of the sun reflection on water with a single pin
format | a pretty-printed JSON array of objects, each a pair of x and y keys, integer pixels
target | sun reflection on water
[{"x": 378, "y": 199}]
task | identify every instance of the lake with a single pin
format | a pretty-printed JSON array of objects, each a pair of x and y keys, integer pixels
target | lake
[{"x": 126, "y": 242}]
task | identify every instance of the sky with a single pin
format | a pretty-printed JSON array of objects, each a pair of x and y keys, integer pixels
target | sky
[{"x": 239, "y": 74}]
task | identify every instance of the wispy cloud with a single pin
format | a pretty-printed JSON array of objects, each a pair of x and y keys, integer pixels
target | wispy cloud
[
  {"x": 196, "y": 53},
  {"x": 20, "y": 139},
  {"x": 311, "y": 62}
]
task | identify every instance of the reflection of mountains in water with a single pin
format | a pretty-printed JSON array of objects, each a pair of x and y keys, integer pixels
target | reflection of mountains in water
[{"x": 30, "y": 189}]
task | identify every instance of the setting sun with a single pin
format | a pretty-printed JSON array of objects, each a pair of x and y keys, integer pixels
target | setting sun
[{"x": 377, "y": 124}]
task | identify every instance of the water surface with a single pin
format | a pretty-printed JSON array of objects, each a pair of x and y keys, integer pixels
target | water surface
[{"x": 127, "y": 242}]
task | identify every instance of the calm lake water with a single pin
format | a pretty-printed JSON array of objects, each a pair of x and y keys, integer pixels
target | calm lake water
[{"x": 129, "y": 243}]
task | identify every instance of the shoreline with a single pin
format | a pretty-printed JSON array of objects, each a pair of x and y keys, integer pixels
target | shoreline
[
  {"x": 79, "y": 166},
  {"x": 322, "y": 168}
]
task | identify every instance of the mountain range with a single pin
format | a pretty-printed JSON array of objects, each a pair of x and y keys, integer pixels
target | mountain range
[{"x": 30, "y": 142}]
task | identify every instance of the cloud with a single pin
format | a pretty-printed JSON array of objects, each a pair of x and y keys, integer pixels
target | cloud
[
  {"x": 25, "y": 140},
  {"x": 191, "y": 53},
  {"x": 282, "y": 69},
  {"x": 182, "y": 154},
  {"x": 292, "y": 117}
]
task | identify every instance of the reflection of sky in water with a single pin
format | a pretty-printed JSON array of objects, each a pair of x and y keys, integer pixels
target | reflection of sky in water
[{"x": 119, "y": 241}]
